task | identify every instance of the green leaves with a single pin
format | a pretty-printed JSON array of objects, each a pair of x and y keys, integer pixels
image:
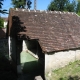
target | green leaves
[
  {"x": 29, "y": 3},
  {"x": 21, "y": 3},
  {"x": 2, "y": 11},
  {"x": 62, "y": 5},
  {"x": 65, "y": 5},
  {"x": 71, "y": 7},
  {"x": 1, "y": 3},
  {"x": 78, "y": 7},
  {"x": 1, "y": 23}
]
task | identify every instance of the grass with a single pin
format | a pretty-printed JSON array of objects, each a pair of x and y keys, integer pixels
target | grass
[
  {"x": 70, "y": 72},
  {"x": 29, "y": 63},
  {"x": 26, "y": 57}
]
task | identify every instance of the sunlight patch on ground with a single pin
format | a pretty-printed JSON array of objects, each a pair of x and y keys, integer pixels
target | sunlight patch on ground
[{"x": 26, "y": 57}]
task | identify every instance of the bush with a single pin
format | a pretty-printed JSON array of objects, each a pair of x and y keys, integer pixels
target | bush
[
  {"x": 78, "y": 13},
  {"x": 1, "y": 23}
]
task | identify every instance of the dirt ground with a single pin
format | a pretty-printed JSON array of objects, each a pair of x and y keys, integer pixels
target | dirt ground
[{"x": 6, "y": 72}]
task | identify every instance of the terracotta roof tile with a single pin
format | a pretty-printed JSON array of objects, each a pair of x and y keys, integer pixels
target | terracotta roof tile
[{"x": 55, "y": 30}]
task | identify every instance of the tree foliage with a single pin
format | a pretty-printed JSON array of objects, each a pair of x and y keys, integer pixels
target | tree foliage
[
  {"x": 71, "y": 7},
  {"x": 58, "y": 5},
  {"x": 29, "y": 4},
  {"x": 1, "y": 23},
  {"x": 21, "y": 3},
  {"x": 62, "y": 5},
  {"x": 78, "y": 8},
  {"x": 18, "y": 3},
  {"x": 3, "y": 11}
]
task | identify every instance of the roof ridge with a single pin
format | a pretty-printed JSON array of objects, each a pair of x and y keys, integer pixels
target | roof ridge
[{"x": 46, "y": 11}]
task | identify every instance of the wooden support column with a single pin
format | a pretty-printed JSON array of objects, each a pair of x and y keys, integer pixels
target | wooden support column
[
  {"x": 18, "y": 51},
  {"x": 12, "y": 53}
]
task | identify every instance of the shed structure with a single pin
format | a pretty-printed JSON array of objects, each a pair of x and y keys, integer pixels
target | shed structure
[{"x": 55, "y": 31}]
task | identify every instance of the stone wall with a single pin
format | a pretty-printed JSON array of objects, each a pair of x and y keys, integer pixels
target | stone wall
[
  {"x": 4, "y": 47},
  {"x": 60, "y": 59}
]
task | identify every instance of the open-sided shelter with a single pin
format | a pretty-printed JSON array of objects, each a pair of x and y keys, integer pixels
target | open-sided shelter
[{"x": 53, "y": 33}]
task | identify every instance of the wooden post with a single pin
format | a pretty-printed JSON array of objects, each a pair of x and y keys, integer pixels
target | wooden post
[
  {"x": 9, "y": 42},
  {"x": 18, "y": 51}
]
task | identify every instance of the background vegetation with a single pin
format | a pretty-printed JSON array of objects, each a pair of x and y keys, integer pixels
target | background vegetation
[
  {"x": 65, "y": 5},
  {"x": 1, "y": 23},
  {"x": 21, "y": 3}
]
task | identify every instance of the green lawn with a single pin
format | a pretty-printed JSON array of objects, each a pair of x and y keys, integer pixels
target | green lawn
[
  {"x": 29, "y": 62},
  {"x": 70, "y": 72},
  {"x": 30, "y": 65},
  {"x": 27, "y": 57}
]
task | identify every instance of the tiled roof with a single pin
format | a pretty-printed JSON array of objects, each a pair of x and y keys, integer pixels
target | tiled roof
[{"x": 54, "y": 30}]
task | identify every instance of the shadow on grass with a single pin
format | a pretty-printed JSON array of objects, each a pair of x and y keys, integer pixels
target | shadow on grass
[
  {"x": 71, "y": 78},
  {"x": 33, "y": 68}
]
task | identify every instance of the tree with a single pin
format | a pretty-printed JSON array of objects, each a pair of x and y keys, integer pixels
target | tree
[
  {"x": 29, "y": 4},
  {"x": 1, "y": 23},
  {"x": 21, "y": 3},
  {"x": 3, "y": 11},
  {"x": 78, "y": 8},
  {"x": 62, "y": 5},
  {"x": 71, "y": 7},
  {"x": 58, "y": 5}
]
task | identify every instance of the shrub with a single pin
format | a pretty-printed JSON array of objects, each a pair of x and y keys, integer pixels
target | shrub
[
  {"x": 1, "y": 23},
  {"x": 78, "y": 13}
]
